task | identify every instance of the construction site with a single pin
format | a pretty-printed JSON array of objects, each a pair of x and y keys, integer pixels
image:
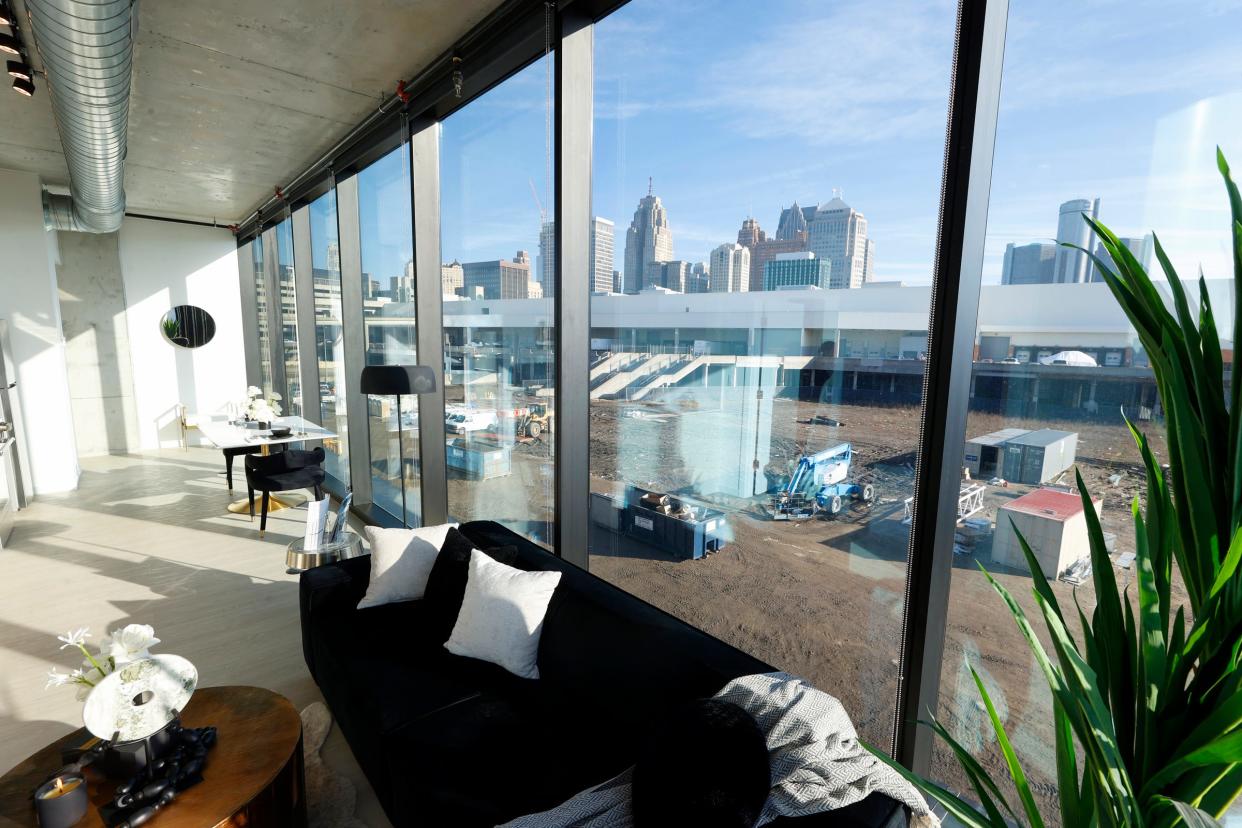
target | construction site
[
  {"x": 752, "y": 464},
  {"x": 821, "y": 595}
]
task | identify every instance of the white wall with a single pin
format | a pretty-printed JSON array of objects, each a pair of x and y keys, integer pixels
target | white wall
[
  {"x": 29, "y": 300},
  {"x": 165, "y": 264}
]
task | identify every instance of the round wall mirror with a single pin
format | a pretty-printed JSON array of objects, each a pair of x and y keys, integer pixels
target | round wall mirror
[{"x": 188, "y": 326}]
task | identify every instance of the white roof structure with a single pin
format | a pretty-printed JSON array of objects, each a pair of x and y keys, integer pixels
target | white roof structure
[{"x": 1075, "y": 358}]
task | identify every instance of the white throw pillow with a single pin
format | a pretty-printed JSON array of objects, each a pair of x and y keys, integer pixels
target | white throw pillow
[
  {"x": 401, "y": 560},
  {"x": 501, "y": 615}
]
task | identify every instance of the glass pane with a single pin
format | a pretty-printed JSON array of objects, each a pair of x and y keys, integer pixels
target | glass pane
[
  {"x": 329, "y": 341},
  {"x": 1057, "y": 361},
  {"x": 756, "y": 379},
  {"x": 498, "y": 281},
  {"x": 264, "y": 315},
  {"x": 388, "y": 302},
  {"x": 288, "y": 318}
]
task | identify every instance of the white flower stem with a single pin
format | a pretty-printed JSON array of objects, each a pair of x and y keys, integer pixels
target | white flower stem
[{"x": 92, "y": 660}]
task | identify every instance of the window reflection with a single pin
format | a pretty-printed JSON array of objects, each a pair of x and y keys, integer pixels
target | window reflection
[
  {"x": 329, "y": 341},
  {"x": 1056, "y": 361},
  {"x": 757, "y": 356},
  {"x": 498, "y": 281},
  {"x": 389, "y": 328},
  {"x": 264, "y": 316},
  {"x": 285, "y": 285}
]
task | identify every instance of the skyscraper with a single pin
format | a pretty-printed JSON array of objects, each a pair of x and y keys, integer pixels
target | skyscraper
[
  {"x": 603, "y": 243},
  {"x": 675, "y": 275},
  {"x": 1028, "y": 264},
  {"x": 838, "y": 233},
  {"x": 789, "y": 270},
  {"x": 334, "y": 256},
  {"x": 794, "y": 222},
  {"x": 452, "y": 279},
  {"x": 767, "y": 250},
  {"x": 1142, "y": 248},
  {"x": 730, "y": 269},
  {"x": 545, "y": 268},
  {"x": 498, "y": 278},
  {"x": 1074, "y": 265},
  {"x": 649, "y": 239},
  {"x": 750, "y": 236}
]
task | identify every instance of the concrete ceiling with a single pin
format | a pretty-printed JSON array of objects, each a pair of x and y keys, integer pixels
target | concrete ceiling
[{"x": 234, "y": 97}]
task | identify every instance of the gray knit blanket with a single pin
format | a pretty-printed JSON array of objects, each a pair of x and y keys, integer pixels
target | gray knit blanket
[{"x": 817, "y": 763}]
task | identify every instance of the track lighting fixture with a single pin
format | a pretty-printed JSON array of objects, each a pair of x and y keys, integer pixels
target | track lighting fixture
[
  {"x": 10, "y": 44},
  {"x": 25, "y": 86},
  {"x": 20, "y": 69}
]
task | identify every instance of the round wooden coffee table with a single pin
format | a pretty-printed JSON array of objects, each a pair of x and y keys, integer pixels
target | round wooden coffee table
[{"x": 253, "y": 777}]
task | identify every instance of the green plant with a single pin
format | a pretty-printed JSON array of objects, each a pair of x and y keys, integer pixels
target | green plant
[{"x": 1152, "y": 695}]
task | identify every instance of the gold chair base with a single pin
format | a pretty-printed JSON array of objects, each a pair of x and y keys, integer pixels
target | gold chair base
[{"x": 274, "y": 504}]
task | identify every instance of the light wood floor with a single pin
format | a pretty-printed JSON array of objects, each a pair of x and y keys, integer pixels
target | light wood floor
[{"x": 147, "y": 539}]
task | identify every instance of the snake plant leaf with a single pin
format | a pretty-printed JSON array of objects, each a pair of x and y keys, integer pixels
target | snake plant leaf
[
  {"x": 1011, "y": 759},
  {"x": 1074, "y": 807},
  {"x": 957, "y": 807},
  {"x": 1192, "y": 816},
  {"x": 1225, "y": 750},
  {"x": 1041, "y": 584}
]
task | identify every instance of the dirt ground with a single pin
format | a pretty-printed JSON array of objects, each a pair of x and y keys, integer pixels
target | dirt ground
[{"x": 824, "y": 598}]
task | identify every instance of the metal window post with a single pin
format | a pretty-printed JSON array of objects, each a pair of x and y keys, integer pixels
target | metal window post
[
  {"x": 353, "y": 338},
  {"x": 429, "y": 314},
  {"x": 575, "y": 80},
  {"x": 946, "y": 382}
]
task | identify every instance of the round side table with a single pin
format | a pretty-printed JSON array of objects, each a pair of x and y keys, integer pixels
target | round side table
[
  {"x": 253, "y": 776},
  {"x": 297, "y": 559}
]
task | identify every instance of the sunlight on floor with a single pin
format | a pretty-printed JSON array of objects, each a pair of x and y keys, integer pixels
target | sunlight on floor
[{"x": 148, "y": 539}]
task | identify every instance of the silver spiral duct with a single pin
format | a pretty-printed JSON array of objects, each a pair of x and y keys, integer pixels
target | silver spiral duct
[{"x": 87, "y": 49}]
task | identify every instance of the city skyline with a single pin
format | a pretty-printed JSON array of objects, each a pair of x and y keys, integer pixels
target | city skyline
[{"x": 879, "y": 142}]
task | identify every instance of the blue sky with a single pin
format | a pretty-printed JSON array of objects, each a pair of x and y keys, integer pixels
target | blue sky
[{"x": 736, "y": 109}]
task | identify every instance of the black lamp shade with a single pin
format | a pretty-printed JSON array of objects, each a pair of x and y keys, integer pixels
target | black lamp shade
[
  {"x": 383, "y": 380},
  {"x": 19, "y": 69},
  {"x": 10, "y": 44},
  {"x": 25, "y": 86}
]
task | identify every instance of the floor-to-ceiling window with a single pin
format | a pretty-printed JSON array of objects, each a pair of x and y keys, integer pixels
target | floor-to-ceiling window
[
  {"x": 387, "y": 246},
  {"x": 263, "y": 313},
  {"x": 329, "y": 333},
  {"x": 498, "y": 280},
  {"x": 762, "y": 248},
  {"x": 1097, "y": 117},
  {"x": 286, "y": 287}
]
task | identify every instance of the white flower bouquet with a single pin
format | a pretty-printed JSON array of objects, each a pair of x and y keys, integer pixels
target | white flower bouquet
[
  {"x": 130, "y": 643},
  {"x": 259, "y": 408}
]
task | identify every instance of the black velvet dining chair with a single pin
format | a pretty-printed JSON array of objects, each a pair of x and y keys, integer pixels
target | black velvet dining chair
[{"x": 283, "y": 472}]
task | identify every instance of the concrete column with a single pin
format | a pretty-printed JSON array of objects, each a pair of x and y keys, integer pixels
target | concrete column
[
  {"x": 31, "y": 304},
  {"x": 972, "y": 385},
  {"x": 1091, "y": 392}
]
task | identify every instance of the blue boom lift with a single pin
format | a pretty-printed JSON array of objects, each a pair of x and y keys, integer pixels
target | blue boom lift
[{"x": 819, "y": 484}]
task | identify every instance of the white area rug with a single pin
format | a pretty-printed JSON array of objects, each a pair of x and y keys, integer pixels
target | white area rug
[{"x": 330, "y": 797}]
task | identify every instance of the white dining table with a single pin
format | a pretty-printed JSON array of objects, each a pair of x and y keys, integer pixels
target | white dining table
[{"x": 227, "y": 435}]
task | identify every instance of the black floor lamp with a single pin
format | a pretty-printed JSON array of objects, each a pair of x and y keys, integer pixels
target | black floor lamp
[{"x": 398, "y": 380}]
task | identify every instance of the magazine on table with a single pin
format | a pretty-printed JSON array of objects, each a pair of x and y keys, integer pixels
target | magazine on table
[
  {"x": 316, "y": 520},
  {"x": 342, "y": 519}
]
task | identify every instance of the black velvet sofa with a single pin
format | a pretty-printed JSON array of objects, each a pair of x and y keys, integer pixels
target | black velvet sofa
[{"x": 450, "y": 741}]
